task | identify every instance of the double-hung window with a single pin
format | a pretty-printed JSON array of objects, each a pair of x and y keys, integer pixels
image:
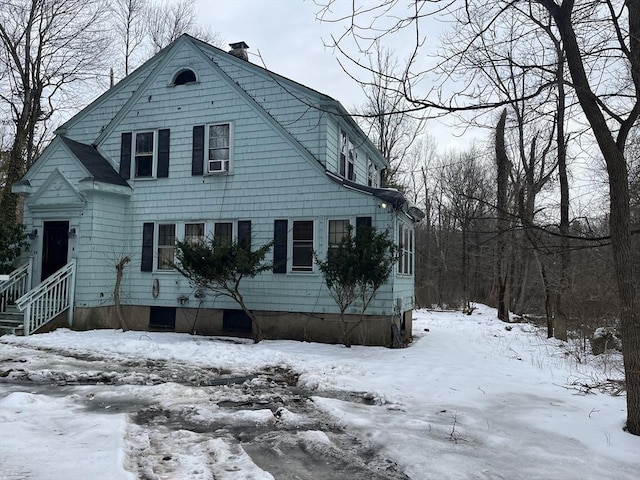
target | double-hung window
[
  {"x": 344, "y": 152},
  {"x": 347, "y": 157},
  {"x": 302, "y": 244},
  {"x": 373, "y": 179},
  {"x": 194, "y": 233},
  {"x": 166, "y": 246},
  {"x": 223, "y": 233},
  {"x": 338, "y": 230},
  {"x": 218, "y": 148},
  {"x": 405, "y": 244},
  {"x": 144, "y": 154},
  {"x": 351, "y": 162}
]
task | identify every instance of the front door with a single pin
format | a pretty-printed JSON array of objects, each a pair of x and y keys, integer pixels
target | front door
[{"x": 55, "y": 246}]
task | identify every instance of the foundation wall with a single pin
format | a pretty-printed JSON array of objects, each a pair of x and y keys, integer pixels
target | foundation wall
[{"x": 323, "y": 328}]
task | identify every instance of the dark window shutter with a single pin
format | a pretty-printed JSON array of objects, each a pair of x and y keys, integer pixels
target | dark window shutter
[
  {"x": 244, "y": 234},
  {"x": 280, "y": 228},
  {"x": 197, "y": 158},
  {"x": 147, "y": 248},
  {"x": 362, "y": 222},
  {"x": 125, "y": 156},
  {"x": 163, "y": 153}
]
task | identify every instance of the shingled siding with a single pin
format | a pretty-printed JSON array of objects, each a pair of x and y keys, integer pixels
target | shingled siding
[
  {"x": 101, "y": 244},
  {"x": 87, "y": 125},
  {"x": 269, "y": 180},
  {"x": 281, "y": 149},
  {"x": 288, "y": 103}
]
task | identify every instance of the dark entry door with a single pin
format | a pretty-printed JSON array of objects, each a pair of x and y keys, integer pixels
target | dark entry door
[{"x": 55, "y": 245}]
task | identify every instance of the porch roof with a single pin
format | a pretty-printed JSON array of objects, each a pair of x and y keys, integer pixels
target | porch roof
[{"x": 98, "y": 166}]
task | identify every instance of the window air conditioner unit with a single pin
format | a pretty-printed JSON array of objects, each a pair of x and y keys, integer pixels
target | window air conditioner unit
[{"x": 218, "y": 166}]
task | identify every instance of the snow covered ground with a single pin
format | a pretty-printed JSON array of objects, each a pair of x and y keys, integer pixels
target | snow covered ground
[{"x": 468, "y": 399}]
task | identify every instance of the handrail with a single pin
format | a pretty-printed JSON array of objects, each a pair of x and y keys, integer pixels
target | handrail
[
  {"x": 16, "y": 285},
  {"x": 49, "y": 299}
]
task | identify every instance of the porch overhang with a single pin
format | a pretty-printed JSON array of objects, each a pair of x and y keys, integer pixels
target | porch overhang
[
  {"x": 90, "y": 184},
  {"x": 23, "y": 187}
]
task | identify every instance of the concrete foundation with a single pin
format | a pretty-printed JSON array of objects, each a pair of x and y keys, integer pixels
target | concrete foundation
[{"x": 323, "y": 328}]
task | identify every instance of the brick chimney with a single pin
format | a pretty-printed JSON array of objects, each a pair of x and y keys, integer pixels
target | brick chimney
[{"x": 239, "y": 49}]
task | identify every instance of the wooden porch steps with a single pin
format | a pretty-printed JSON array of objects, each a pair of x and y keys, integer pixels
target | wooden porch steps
[{"x": 11, "y": 321}]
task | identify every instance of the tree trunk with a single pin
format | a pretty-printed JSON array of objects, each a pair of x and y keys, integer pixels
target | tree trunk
[
  {"x": 465, "y": 270},
  {"x": 548, "y": 301},
  {"x": 502, "y": 162},
  {"x": 620, "y": 214},
  {"x": 345, "y": 330},
  {"x": 116, "y": 291},
  {"x": 258, "y": 336},
  {"x": 565, "y": 253}
]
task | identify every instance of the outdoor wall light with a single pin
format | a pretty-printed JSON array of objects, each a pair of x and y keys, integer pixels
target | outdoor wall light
[
  {"x": 383, "y": 205},
  {"x": 33, "y": 234},
  {"x": 72, "y": 233}
]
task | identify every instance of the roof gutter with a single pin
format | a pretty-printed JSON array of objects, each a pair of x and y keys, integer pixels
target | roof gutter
[{"x": 391, "y": 196}]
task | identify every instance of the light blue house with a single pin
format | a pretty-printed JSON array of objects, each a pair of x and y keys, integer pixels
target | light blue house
[{"x": 195, "y": 143}]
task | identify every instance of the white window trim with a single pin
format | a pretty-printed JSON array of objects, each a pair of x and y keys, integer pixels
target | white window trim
[
  {"x": 290, "y": 243},
  {"x": 179, "y": 233},
  {"x": 410, "y": 253},
  {"x": 234, "y": 228},
  {"x": 180, "y": 70},
  {"x": 229, "y": 168},
  {"x": 154, "y": 160},
  {"x": 373, "y": 173},
  {"x": 181, "y": 229},
  {"x": 343, "y": 149},
  {"x": 209, "y": 227},
  {"x": 329, "y": 220},
  {"x": 352, "y": 160},
  {"x": 209, "y": 233},
  {"x": 350, "y": 151}
]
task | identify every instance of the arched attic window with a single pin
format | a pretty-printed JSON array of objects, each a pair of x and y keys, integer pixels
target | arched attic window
[{"x": 184, "y": 76}]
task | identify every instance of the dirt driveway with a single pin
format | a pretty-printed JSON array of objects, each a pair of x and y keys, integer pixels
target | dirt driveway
[{"x": 179, "y": 411}]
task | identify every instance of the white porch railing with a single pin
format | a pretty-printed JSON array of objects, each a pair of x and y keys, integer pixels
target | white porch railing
[
  {"x": 49, "y": 299},
  {"x": 18, "y": 283}
]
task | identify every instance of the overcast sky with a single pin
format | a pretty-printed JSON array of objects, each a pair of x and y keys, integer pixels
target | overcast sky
[
  {"x": 290, "y": 41},
  {"x": 288, "y": 38}
]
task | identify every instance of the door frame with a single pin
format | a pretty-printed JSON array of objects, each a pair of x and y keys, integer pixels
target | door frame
[{"x": 43, "y": 254}]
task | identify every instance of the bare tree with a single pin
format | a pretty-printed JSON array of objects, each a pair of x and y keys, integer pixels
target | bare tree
[
  {"x": 600, "y": 39},
  {"x": 384, "y": 116},
  {"x": 466, "y": 187},
  {"x": 503, "y": 167},
  {"x": 130, "y": 24},
  {"x": 166, "y": 20},
  {"x": 599, "y": 111},
  {"x": 420, "y": 158},
  {"x": 47, "y": 45}
]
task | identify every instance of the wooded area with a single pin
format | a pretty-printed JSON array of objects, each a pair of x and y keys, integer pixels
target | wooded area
[{"x": 501, "y": 228}]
